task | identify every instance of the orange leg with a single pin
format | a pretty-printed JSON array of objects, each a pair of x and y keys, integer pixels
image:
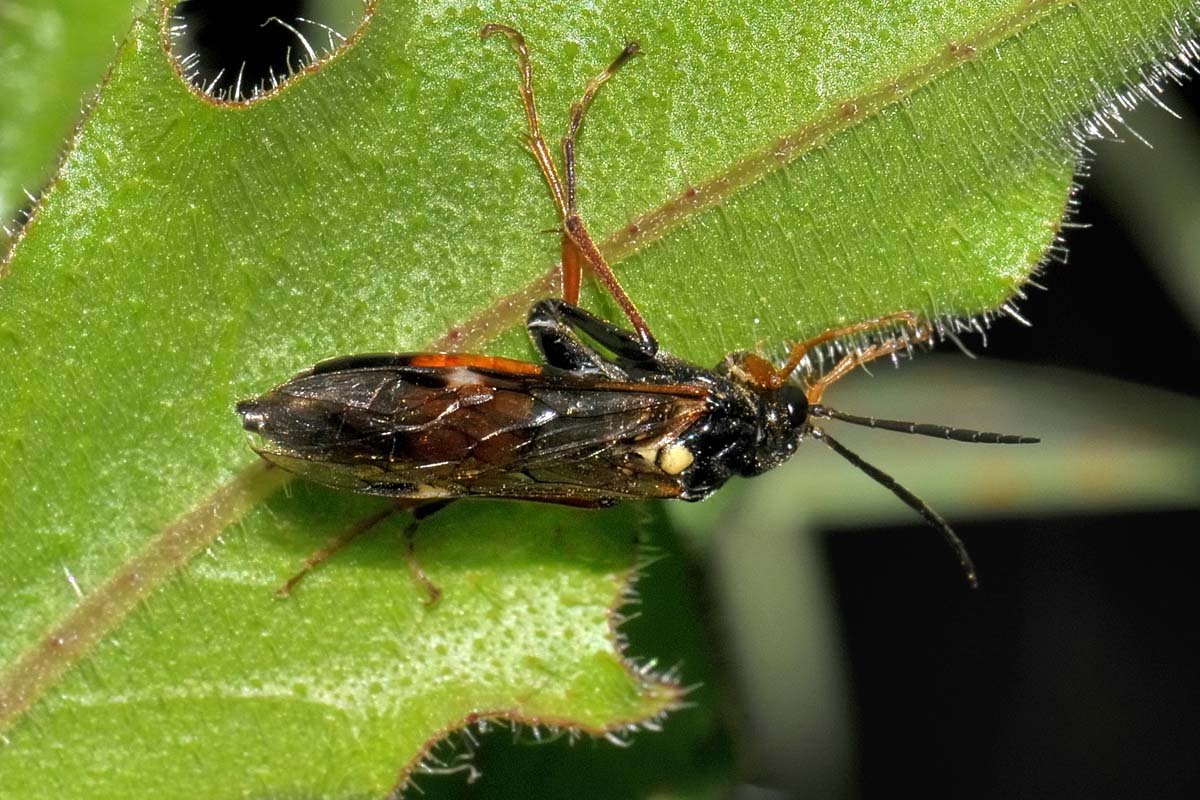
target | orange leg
[
  {"x": 433, "y": 592},
  {"x": 577, "y": 244},
  {"x": 767, "y": 376},
  {"x": 420, "y": 510},
  {"x": 572, "y": 270},
  {"x": 335, "y": 546},
  {"x": 536, "y": 143},
  {"x": 579, "y": 109},
  {"x": 801, "y": 349},
  {"x": 816, "y": 389}
]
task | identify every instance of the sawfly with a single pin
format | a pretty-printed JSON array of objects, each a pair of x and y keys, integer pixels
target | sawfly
[{"x": 607, "y": 416}]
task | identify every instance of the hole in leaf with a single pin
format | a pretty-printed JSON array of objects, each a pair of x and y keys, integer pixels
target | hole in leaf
[{"x": 238, "y": 52}]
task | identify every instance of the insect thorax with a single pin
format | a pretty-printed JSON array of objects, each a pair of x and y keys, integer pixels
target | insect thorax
[{"x": 748, "y": 431}]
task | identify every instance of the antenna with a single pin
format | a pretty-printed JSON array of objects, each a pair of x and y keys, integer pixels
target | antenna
[
  {"x": 922, "y": 429},
  {"x": 910, "y": 499}
]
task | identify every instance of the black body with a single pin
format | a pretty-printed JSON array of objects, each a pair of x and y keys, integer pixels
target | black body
[{"x": 602, "y": 421}]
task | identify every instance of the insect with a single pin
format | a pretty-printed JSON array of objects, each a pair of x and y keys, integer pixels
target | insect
[{"x": 606, "y": 417}]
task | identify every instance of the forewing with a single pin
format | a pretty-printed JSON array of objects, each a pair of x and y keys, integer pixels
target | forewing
[{"x": 387, "y": 425}]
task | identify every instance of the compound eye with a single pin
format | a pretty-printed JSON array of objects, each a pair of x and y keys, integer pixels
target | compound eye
[{"x": 796, "y": 404}]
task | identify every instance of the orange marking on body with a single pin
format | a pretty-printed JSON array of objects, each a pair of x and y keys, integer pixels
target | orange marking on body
[
  {"x": 442, "y": 360},
  {"x": 761, "y": 371}
]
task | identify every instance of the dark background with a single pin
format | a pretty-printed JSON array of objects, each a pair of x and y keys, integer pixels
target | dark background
[{"x": 1075, "y": 673}]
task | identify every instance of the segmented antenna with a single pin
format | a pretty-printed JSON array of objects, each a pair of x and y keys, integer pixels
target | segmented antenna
[
  {"x": 910, "y": 499},
  {"x": 922, "y": 429}
]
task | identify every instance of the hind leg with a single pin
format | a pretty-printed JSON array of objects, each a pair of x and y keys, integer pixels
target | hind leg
[{"x": 361, "y": 528}]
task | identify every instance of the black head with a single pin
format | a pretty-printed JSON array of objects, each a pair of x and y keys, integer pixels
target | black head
[
  {"x": 782, "y": 422},
  {"x": 795, "y": 405}
]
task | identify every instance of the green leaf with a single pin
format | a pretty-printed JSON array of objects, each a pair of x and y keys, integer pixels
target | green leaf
[
  {"x": 844, "y": 160},
  {"x": 52, "y": 55}
]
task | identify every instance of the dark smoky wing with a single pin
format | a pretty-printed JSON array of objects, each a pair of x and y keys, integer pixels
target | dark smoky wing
[
  {"x": 398, "y": 394},
  {"x": 409, "y": 414},
  {"x": 587, "y": 422},
  {"x": 586, "y": 483},
  {"x": 410, "y": 431},
  {"x": 364, "y": 478}
]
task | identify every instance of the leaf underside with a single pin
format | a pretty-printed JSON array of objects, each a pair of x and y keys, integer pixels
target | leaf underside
[{"x": 190, "y": 253}]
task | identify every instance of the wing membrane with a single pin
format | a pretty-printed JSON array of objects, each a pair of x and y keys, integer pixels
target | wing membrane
[{"x": 395, "y": 426}]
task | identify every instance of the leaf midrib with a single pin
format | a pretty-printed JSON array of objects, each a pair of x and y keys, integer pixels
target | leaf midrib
[
  {"x": 655, "y": 225},
  {"x": 102, "y": 610}
]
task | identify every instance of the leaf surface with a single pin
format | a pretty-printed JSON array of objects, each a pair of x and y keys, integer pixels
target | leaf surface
[
  {"x": 787, "y": 168},
  {"x": 52, "y": 55}
]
